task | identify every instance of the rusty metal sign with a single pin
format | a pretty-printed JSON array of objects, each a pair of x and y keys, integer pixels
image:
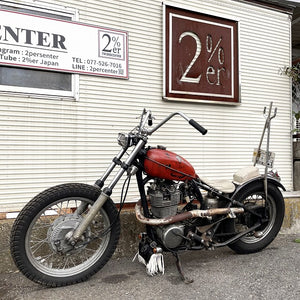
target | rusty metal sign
[{"x": 201, "y": 57}]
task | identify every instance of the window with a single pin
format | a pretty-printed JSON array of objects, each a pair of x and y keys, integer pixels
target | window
[{"x": 34, "y": 81}]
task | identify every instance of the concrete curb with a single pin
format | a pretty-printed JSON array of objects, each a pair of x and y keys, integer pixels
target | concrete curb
[{"x": 130, "y": 228}]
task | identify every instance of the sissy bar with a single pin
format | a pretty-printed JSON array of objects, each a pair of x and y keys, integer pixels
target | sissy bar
[{"x": 260, "y": 156}]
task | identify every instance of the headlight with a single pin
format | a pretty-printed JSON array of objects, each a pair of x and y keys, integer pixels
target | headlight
[{"x": 124, "y": 140}]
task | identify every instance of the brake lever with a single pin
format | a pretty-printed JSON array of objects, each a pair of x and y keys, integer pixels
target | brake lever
[{"x": 146, "y": 116}]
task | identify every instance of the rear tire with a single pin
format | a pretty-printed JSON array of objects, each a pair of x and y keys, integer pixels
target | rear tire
[
  {"x": 38, "y": 245},
  {"x": 272, "y": 209}
]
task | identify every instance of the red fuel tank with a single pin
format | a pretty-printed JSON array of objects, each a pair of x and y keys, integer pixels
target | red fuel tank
[{"x": 168, "y": 165}]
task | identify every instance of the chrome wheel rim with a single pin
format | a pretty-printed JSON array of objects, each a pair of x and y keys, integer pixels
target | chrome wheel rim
[
  {"x": 270, "y": 210},
  {"x": 39, "y": 246}
]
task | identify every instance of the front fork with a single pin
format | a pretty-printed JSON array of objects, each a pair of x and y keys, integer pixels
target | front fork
[{"x": 105, "y": 194}]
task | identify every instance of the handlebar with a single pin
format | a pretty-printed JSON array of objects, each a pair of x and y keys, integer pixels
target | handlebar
[
  {"x": 191, "y": 122},
  {"x": 198, "y": 126}
]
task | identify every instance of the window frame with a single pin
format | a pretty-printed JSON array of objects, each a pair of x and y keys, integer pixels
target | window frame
[{"x": 37, "y": 6}]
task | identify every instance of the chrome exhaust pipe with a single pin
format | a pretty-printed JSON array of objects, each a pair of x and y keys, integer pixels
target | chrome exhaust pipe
[{"x": 196, "y": 213}]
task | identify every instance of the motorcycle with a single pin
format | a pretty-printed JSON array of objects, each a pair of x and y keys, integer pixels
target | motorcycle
[{"x": 68, "y": 232}]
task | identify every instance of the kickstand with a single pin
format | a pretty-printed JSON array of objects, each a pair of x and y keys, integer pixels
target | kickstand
[{"x": 179, "y": 268}]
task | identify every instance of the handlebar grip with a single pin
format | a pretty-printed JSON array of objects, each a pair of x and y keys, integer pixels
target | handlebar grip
[{"x": 198, "y": 126}]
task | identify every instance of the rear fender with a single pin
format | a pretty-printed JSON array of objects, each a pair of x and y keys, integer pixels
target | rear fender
[{"x": 240, "y": 189}]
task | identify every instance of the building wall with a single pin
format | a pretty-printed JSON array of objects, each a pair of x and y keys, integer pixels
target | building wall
[{"x": 45, "y": 142}]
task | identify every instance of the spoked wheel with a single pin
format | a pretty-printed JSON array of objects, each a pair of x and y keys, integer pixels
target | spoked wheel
[
  {"x": 272, "y": 212},
  {"x": 39, "y": 239}
]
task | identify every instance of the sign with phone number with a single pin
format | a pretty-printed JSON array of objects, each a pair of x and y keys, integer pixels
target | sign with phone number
[{"x": 63, "y": 46}]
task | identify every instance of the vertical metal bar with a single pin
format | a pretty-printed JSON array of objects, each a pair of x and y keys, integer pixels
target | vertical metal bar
[
  {"x": 268, "y": 122},
  {"x": 260, "y": 143},
  {"x": 268, "y": 125},
  {"x": 128, "y": 162},
  {"x": 267, "y": 159},
  {"x": 112, "y": 165},
  {"x": 89, "y": 217},
  {"x": 264, "y": 130},
  {"x": 141, "y": 188}
]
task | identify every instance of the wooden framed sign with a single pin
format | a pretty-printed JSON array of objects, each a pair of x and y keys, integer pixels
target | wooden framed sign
[{"x": 201, "y": 60}]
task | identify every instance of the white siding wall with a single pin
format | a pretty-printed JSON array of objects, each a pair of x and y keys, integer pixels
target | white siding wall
[{"x": 47, "y": 142}]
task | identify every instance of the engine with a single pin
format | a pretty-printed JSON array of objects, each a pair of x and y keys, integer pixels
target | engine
[{"x": 164, "y": 198}]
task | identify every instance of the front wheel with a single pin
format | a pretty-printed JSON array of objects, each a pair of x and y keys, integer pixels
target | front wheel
[
  {"x": 38, "y": 240},
  {"x": 271, "y": 210}
]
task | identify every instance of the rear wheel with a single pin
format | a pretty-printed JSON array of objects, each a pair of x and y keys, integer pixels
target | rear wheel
[
  {"x": 272, "y": 211},
  {"x": 39, "y": 245}
]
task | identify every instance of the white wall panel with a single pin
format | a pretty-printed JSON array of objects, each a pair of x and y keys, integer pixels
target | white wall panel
[{"x": 46, "y": 142}]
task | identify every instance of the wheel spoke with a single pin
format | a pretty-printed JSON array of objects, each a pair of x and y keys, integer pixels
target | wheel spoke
[
  {"x": 37, "y": 246},
  {"x": 50, "y": 252},
  {"x": 267, "y": 209}
]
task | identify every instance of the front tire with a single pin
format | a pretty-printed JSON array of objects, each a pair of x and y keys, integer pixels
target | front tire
[
  {"x": 38, "y": 245},
  {"x": 272, "y": 210}
]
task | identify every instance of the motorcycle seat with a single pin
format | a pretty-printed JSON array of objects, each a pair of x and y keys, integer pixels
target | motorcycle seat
[
  {"x": 245, "y": 174},
  {"x": 223, "y": 185}
]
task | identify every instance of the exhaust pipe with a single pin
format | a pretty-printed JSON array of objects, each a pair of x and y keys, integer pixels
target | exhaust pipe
[{"x": 196, "y": 213}]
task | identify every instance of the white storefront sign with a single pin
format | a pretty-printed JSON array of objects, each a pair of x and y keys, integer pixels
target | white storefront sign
[{"x": 59, "y": 45}]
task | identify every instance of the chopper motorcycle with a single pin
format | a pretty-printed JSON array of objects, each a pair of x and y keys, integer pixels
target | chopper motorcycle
[{"x": 68, "y": 232}]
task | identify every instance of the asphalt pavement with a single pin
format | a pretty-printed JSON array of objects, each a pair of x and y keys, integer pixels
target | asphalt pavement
[{"x": 273, "y": 273}]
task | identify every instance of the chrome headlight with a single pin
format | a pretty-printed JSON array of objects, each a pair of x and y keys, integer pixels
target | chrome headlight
[{"x": 124, "y": 140}]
